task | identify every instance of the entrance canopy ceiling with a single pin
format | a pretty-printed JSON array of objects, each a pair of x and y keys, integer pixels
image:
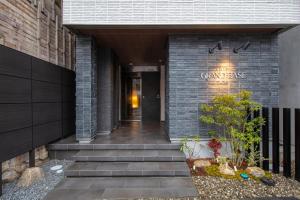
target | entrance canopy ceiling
[{"x": 148, "y": 46}]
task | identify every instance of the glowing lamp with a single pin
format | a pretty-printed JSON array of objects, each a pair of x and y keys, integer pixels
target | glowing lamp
[{"x": 134, "y": 100}]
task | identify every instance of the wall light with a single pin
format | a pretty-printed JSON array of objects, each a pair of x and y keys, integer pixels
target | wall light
[
  {"x": 244, "y": 47},
  {"x": 219, "y": 46},
  {"x": 134, "y": 99}
]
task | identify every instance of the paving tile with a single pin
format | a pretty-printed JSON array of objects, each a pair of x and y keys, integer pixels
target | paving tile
[{"x": 74, "y": 194}]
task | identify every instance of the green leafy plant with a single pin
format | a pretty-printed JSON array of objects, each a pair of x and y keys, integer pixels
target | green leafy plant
[
  {"x": 229, "y": 117},
  {"x": 190, "y": 150}
]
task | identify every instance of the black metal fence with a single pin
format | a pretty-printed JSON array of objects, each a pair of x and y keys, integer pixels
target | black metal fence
[
  {"x": 286, "y": 141},
  {"x": 37, "y": 104}
]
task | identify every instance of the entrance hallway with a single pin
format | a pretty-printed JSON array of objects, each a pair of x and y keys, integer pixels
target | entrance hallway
[{"x": 136, "y": 160}]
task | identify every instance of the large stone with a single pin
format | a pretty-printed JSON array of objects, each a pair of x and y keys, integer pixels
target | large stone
[
  {"x": 202, "y": 163},
  {"x": 256, "y": 171},
  {"x": 30, "y": 175},
  {"x": 9, "y": 176},
  {"x": 18, "y": 164},
  {"x": 226, "y": 170},
  {"x": 5, "y": 166},
  {"x": 43, "y": 153}
]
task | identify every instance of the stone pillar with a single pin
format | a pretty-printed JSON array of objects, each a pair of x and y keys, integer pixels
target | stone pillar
[
  {"x": 106, "y": 91},
  {"x": 86, "y": 89}
]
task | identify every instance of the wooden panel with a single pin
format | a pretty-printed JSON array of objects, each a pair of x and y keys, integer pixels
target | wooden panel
[
  {"x": 14, "y": 63},
  {"x": 68, "y": 77},
  {"x": 46, "y": 133},
  {"x": 15, "y": 143},
  {"x": 68, "y": 110},
  {"x": 68, "y": 127},
  {"x": 14, "y": 116},
  {"x": 45, "y": 92},
  {"x": 68, "y": 93},
  {"x": 14, "y": 89},
  {"x": 45, "y": 71},
  {"x": 46, "y": 112}
]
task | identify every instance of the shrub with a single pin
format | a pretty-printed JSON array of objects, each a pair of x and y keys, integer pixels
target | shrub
[{"x": 230, "y": 116}]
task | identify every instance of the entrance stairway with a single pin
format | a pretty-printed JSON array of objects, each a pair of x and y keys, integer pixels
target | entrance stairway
[{"x": 126, "y": 171}]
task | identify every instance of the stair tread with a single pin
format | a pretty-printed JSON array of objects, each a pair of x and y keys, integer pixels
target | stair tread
[
  {"x": 133, "y": 153},
  {"x": 124, "y": 187}
]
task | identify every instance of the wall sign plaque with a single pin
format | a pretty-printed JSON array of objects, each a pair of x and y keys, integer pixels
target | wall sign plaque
[{"x": 222, "y": 74}]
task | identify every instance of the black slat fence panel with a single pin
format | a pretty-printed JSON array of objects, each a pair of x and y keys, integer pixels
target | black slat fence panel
[
  {"x": 265, "y": 138},
  {"x": 275, "y": 140},
  {"x": 297, "y": 144},
  {"x": 287, "y": 142},
  {"x": 14, "y": 63},
  {"x": 31, "y": 102}
]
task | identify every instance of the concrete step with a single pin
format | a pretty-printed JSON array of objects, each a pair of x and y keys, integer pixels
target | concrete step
[
  {"x": 112, "y": 169},
  {"x": 129, "y": 155},
  {"x": 77, "y": 146},
  {"x": 123, "y": 188}
]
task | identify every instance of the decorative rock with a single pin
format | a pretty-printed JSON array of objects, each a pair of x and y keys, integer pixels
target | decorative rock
[
  {"x": 226, "y": 170},
  {"x": 267, "y": 181},
  {"x": 43, "y": 153},
  {"x": 9, "y": 176},
  {"x": 255, "y": 171},
  {"x": 5, "y": 166},
  {"x": 30, "y": 175},
  {"x": 244, "y": 176},
  {"x": 202, "y": 163},
  {"x": 20, "y": 168}
]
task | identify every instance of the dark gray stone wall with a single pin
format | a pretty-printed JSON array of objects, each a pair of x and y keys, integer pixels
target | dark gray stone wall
[
  {"x": 86, "y": 88},
  {"x": 106, "y": 88},
  {"x": 189, "y": 62}
]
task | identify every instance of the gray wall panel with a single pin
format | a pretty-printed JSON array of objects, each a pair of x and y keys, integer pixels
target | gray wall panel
[{"x": 189, "y": 60}]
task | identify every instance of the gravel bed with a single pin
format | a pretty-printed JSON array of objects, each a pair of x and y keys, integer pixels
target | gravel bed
[
  {"x": 39, "y": 189},
  {"x": 220, "y": 189}
]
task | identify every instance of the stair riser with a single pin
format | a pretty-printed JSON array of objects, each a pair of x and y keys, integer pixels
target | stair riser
[
  {"x": 126, "y": 173},
  {"x": 113, "y": 147},
  {"x": 128, "y": 159}
]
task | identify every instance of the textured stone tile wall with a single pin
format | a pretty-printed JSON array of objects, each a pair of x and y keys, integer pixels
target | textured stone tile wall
[
  {"x": 130, "y": 12},
  {"x": 189, "y": 60},
  {"x": 105, "y": 95},
  {"x": 86, "y": 88}
]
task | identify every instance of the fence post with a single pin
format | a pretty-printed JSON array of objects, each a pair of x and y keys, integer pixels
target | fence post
[
  {"x": 275, "y": 140},
  {"x": 32, "y": 158},
  {"x": 265, "y": 138},
  {"x": 0, "y": 178},
  {"x": 287, "y": 142},
  {"x": 297, "y": 144}
]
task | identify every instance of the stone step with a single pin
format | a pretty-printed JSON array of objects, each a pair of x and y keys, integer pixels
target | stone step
[
  {"x": 77, "y": 146},
  {"x": 129, "y": 155},
  {"x": 123, "y": 188},
  {"x": 112, "y": 169}
]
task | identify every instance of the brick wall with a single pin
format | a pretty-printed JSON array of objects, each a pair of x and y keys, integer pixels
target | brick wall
[
  {"x": 36, "y": 29},
  {"x": 189, "y": 60},
  {"x": 163, "y": 12}
]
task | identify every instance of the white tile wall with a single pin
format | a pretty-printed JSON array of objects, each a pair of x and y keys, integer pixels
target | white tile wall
[{"x": 189, "y": 12}]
